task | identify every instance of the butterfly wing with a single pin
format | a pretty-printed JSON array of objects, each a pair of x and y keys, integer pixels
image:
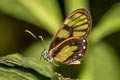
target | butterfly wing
[
  {"x": 78, "y": 23},
  {"x": 75, "y": 28}
]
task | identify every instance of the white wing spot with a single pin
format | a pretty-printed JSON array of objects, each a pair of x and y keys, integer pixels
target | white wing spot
[
  {"x": 75, "y": 62},
  {"x": 84, "y": 47},
  {"x": 80, "y": 54},
  {"x": 84, "y": 40}
]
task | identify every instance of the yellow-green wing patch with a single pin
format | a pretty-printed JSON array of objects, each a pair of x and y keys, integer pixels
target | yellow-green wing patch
[
  {"x": 63, "y": 33},
  {"x": 65, "y": 52},
  {"x": 78, "y": 33},
  {"x": 79, "y": 23}
]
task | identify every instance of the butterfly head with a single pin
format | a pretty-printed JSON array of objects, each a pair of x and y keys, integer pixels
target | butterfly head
[{"x": 45, "y": 54}]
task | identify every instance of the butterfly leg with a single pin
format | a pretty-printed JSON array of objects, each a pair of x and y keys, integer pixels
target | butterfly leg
[
  {"x": 43, "y": 53},
  {"x": 50, "y": 59},
  {"x": 47, "y": 57},
  {"x": 54, "y": 64}
]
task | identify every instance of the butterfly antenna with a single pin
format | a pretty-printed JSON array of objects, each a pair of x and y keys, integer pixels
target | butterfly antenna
[
  {"x": 31, "y": 34},
  {"x": 37, "y": 39},
  {"x": 42, "y": 46},
  {"x": 43, "y": 43}
]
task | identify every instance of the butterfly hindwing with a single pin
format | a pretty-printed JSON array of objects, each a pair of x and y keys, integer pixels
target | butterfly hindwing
[{"x": 70, "y": 50}]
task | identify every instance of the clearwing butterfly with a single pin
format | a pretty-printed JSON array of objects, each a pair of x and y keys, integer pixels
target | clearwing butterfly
[{"x": 69, "y": 44}]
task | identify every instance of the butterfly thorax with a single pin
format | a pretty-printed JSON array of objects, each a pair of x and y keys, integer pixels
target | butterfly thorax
[{"x": 47, "y": 56}]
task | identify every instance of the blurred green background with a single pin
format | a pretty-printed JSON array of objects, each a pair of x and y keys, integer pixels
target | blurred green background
[{"x": 20, "y": 52}]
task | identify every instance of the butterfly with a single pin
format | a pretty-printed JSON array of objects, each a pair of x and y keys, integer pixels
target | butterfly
[{"x": 69, "y": 44}]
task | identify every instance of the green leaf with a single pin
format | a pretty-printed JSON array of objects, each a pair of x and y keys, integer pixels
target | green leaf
[
  {"x": 22, "y": 68},
  {"x": 102, "y": 63},
  {"x": 38, "y": 12},
  {"x": 71, "y": 5},
  {"x": 41, "y": 67},
  {"x": 108, "y": 24},
  {"x": 7, "y": 73}
]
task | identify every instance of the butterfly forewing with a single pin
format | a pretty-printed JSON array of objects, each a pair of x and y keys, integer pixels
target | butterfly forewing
[
  {"x": 78, "y": 23},
  {"x": 69, "y": 43}
]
